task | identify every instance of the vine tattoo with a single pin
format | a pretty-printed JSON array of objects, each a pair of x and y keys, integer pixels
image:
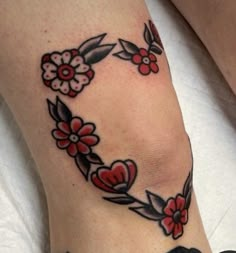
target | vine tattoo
[
  {"x": 78, "y": 138},
  {"x": 144, "y": 58},
  {"x": 71, "y": 70}
]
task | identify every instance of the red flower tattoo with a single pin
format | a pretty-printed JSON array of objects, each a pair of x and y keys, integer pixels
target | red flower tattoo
[
  {"x": 78, "y": 138},
  {"x": 176, "y": 216},
  {"x": 146, "y": 61},
  {"x": 144, "y": 58},
  {"x": 71, "y": 70},
  {"x": 116, "y": 179},
  {"x": 75, "y": 136}
]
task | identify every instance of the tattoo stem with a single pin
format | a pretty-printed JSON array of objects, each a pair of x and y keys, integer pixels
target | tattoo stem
[{"x": 136, "y": 200}]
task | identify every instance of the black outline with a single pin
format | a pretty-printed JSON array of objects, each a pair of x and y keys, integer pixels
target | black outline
[
  {"x": 181, "y": 249},
  {"x": 129, "y": 48},
  {"x": 90, "y": 46}
]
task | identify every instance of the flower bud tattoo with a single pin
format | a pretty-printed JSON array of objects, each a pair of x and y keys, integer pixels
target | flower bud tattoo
[
  {"x": 71, "y": 70},
  {"x": 144, "y": 58},
  {"x": 79, "y": 138}
]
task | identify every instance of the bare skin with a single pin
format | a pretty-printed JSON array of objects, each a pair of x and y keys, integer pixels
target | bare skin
[
  {"x": 137, "y": 117},
  {"x": 214, "y": 22}
]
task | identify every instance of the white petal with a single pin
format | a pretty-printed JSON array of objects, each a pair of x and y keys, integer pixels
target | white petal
[
  {"x": 56, "y": 58},
  {"x": 56, "y": 84},
  {"x": 65, "y": 88},
  {"x": 49, "y": 66},
  {"x": 66, "y": 56},
  {"x": 82, "y": 79},
  {"x": 82, "y": 68},
  {"x": 49, "y": 74},
  {"x": 76, "y": 86},
  {"x": 77, "y": 60}
]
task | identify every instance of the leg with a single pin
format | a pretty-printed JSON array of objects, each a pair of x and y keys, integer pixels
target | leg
[{"x": 136, "y": 114}]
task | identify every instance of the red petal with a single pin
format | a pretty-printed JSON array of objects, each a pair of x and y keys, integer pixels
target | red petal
[
  {"x": 64, "y": 127},
  {"x": 90, "y": 74},
  {"x": 137, "y": 59},
  {"x": 170, "y": 207},
  {"x": 72, "y": 149},
  {"x": 72, "y": 93},
  {"x": 152, "y": 57},
  {"x": 76, "y": 124},
  {"x": 86, "y": 129},
  {"x": 74, "y": 52},
  {"x": 154, "y": 67},
  {"x": 184, "y": 216},
  {"x": 178, "y": 230},
  {"x": 168, "y": 225},
  {"x": 114, "y": 176},
  {"x": 63, "y": 144},
  {"x": 132, "y": 168},
  {"x": 143, "y": 52},
  {"x": 83, "y": 148},
  {"x": 46, "y": 58},
  {"x": 58, "y": 134},
  {"x": 89, "y": 140},
  {"x": 144, "y": 69},
  {"x": 97, "y": 182},
  {"x": 180, "y": 202}
]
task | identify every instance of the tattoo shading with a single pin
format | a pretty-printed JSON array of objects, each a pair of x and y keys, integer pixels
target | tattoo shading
[
  {"x": 181, "y": 249},
  {"x": 144, "y": 58},
  {"x": 78, "y": 138},
  {"x": 71, "y": 70}
]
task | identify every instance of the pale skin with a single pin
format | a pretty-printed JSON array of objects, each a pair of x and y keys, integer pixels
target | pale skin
[{"x": 136, "y": 117}]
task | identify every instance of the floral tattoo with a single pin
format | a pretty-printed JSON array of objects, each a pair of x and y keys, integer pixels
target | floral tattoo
[
  {"x": 71, "y": 70},
  {"x": 144, "y": 58},
  {"x": 78, "y": 139}
]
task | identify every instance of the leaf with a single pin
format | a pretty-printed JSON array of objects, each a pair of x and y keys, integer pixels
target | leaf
[
  {"x": 53, "y": 110},
  {"x": 129, "y": 47},
  {"x": 62, "y": 110},
  {"x": 156, "y": 50},
  {"x": 91, "y": 44},
  {"x": 156, "y": 201},
  {"x": 188, "y": 184},
  {"x": 83, "y": 164},
  {"x": 147, "y": 212},
  {"x": 94, "y": 158},
  {"x": 123, "y": 55},
  {"x": 97, "y": 54},
  {"x": 188, "y": 200},
  {"x": 147, "y": 35},
  {"x": 122, "y": 200},
  {"x": 181, "y": 249}
]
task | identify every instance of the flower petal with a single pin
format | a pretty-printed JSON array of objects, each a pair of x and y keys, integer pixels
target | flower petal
[
  {"x": 144, "y": 69},
  {"x": 83, "y": 148},
  {"x": 143, "y": 52},
  {"x": 97, "y": 182},
  {"x": 58, "y": 134},
  {"x": 64, "y": 127},
  {"x": 49, "y": 73},
  {"x": 49, "y": 66},
  {"x": 184, "y": 216},
  {"x": 137, "y": 59},
  {"x": 168, "y": 224},
  {"x": 56, "y": 58},
  {"x": 132, "y": 168},
  {"x": 77, "y": 60},
  {"x": 152, "y": 57},
  {"x": 90, "y": 140},
  {"x": 72, "y": 149},
  {"x": 63, "y": 144},
  {"x": 178, "y": 230},
  {"x": 170, "y": 207},
  {"x": 82, "y": 79},
  {"x": 56, "y": 84},
  {"x": 180, "y": 202},
  {"x": 66, "y": 57},
  {"x": 64, "y": 87},
  {"x": 154, "y": 67},
  {"x": 76, "y": 124},
  {"x": 82, "y": 68},
  {"x": 86, "y": 129},
  {"x": 75, "y": 85}
]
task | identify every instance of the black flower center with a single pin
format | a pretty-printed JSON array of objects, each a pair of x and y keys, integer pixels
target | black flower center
[
  {"x": 146, "y": 60},
  {"x": 74, "y": 138},
  {"x": 177, "y": 216}
]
